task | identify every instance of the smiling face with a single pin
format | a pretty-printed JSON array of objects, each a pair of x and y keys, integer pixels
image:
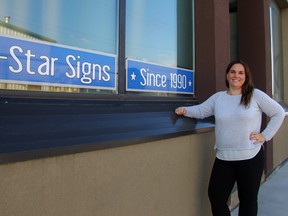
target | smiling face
[{"x": 236, "y": 76}]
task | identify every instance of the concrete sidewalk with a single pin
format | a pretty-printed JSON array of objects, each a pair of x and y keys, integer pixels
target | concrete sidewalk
[{"x": 273, "y": 194}]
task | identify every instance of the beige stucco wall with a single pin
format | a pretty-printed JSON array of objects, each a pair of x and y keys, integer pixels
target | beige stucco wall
[
  {"x": 164, "y": 178},
  {"x": 280, "y": 144}
]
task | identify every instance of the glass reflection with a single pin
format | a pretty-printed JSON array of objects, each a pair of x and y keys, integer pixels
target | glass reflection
[
  {"x": 160, "y": 32},
  {"x": 151, "y": 30},
  {"x": 85, "y": 24}
]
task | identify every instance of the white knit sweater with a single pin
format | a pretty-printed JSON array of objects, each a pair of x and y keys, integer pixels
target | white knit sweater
[{"x": 235, "y": 122}]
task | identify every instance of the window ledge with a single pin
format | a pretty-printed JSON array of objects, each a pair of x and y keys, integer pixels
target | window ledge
[{"x": 36, "y": 129}]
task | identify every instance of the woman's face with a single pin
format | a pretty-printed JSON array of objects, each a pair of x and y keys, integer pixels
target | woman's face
[{"x": 236, "y": 76}]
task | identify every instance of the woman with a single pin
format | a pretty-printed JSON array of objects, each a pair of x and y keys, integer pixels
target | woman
[{"x": 239, "y": 139}]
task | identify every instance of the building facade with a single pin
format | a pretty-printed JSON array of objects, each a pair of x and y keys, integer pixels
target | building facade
[{"x": 88, "y": 91}]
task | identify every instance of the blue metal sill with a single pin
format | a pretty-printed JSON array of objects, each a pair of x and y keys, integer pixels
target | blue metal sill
[{"x": 41, "y": 128}]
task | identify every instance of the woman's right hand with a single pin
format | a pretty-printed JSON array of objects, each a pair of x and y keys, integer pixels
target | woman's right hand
[{"x": 180, "y": 111}]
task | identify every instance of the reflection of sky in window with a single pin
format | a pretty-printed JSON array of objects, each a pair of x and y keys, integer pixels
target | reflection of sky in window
[
  {"x": 90, "y": 24},
  {"x": 152, "y": 30}
]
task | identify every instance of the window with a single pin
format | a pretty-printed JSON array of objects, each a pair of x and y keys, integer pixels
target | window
[
  {"x": 160, "y": 32},
  {"x": 276, "y": 52},
  {"x": 85, "y": 25},
  {"x": 60, "y": 46},
  {"x": 68, "y": 35}
]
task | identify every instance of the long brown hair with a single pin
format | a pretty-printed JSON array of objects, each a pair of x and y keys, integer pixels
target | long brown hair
[{"x": 248, "y": 86}]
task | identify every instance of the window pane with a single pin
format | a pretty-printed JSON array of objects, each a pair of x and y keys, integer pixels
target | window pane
[
  {"x": 160, "y": 32},
  {"x": 276, "y": 52},
  {"x": 89, "y": 25}
]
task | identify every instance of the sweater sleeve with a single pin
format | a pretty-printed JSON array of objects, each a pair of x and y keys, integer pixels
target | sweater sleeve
[
  {"x": 203, "y": 110},
  {"x": 273, "y": 110}
]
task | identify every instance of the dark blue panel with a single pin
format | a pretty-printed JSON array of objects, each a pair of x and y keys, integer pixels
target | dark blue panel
[{"x": 42, "y": 128}]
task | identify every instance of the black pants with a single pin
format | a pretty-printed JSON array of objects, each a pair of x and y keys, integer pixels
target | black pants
[{"x": 247, "y": 174}]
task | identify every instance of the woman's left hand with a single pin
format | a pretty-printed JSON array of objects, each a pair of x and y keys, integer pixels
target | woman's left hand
[{"x": 257, "y": 137}]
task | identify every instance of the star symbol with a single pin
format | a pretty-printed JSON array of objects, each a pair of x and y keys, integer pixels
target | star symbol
[
  {"x": 133, "y": 76},
  {"x": 190, "y": 83}
]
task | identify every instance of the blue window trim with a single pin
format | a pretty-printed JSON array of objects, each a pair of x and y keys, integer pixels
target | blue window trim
[{"x": 37, "y": 128}]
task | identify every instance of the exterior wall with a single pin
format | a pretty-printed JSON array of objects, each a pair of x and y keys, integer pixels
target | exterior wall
[
  {"x": 254, "y": 40},
  {"x": 280, "y": 145},
  {"x": 212, "y": 46},
  {"x": 169, "y": 177},
  {"x": 254, "y": 48}
]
